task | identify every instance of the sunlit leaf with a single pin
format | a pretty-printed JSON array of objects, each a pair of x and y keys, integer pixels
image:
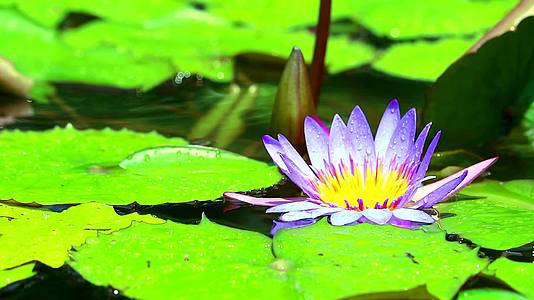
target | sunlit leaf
[
  {"x": 218, "y": 39},
  {"x": 422, "y": 60},
  {"x": 39, "y": 54},
  {"x": 404, "y": 19},
  {"x": 516, "y": 274},
  {"x": 51, "y": 13},
  {"x": 364, "y": 258},
  {"x": 501, "y": 219},
  {"x": 28, "y": 235},
  {"x": 16, "y": 274},
  {"x": 183, "y": 261},
  {"x": 487, "y": 293},
  {"x": 85, "y": 168}
]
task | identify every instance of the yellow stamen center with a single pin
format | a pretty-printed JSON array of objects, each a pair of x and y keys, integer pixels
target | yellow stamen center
[{"x": 343, "y": 187}]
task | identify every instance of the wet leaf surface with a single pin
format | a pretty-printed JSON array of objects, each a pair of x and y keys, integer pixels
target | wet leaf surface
[
  {"x": 517, "y": 275},
  {"x": 407, "y": 19},
  {"x": 47, "y": 236},
  {"x": 55, "y": 61},
  {"x": 421, "y": 60},
  {"x": 85, "y": 164},
  {"x": 190, "y": 261},
  {"x": 499, "y": 219},
  {"x": 12, "y": 275},
  {"x": 484, "y": 294},
  {"x": 369, "y": 258}
]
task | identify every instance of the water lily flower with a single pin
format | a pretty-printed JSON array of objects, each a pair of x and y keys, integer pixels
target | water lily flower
[{"x": 355, "y": 178}]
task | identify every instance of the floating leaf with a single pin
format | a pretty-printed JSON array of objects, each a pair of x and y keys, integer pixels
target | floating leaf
[
  {"x": 492, "y": 88},
  {"x": 421, "y": 60},
  {"x": 364, "y": 258},
  {"x": 38, "y": 235},
  {"x": 51, "y": 13},
  {"x": 500, "y": 220},
  {"x": 406, "y": 19},
  {"x": 516, "y": 274},
  {"x": 219, "y": 41},
  {"x": 85, "y": 168},
  {"x": 54, "y": 61},
  {"x": 15, "y": 274},
  {"x": 183, "y": 261},
  {"x": 494, "y": 294}
]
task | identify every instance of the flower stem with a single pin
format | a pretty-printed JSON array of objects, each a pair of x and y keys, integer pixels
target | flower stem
[{"x": 319, "y": 52}]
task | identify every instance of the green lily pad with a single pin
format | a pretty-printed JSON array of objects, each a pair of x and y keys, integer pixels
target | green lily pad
[
  {"x": 55, "y": 61},
  {"x": 45, "y": 236},
  {"x": 51, "y": 13},
  {"x": 412, "y": 18},
  {"x": 85, "y": 168},
  {"x": 494, "y": 294},
  {"x": 516, "y": 274},
  {"x": 15, "y": 274},
  {"x": 219, "y": 41},
  {"x": 335, "y": 262},
  {"x": 422, "y": 60},
  {"x": 183, "y": 261},
  {"x": 500, "y": 220}
]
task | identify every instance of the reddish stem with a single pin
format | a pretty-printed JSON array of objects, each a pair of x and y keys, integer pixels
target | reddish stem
[{"x": 319, "y": 52}]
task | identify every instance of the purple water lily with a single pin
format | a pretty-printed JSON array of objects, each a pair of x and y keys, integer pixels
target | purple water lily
[{"x": 354, "y": 178}]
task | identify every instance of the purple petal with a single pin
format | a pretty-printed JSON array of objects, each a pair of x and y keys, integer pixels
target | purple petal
[
  {"x": 420, "y": 143},
  {"x": 316, "y": 142},
  {"x": 423, "y": 167},
  {"x": 344, "y": 217},
  {"x": 387, "y": 126},
  {"x": 308, "y": 214},
  {"x": 338, "y": 142},
  {"x": 402, "y": 140},
  {"x": 274, "y": 149},
  {"x": 415, "y": 215},
  {"x": 321, "y": 124},
  {"x": 278, "y": 225},
  {"x": 294, "y": 156},
  {"x": 261, "y": 201},
  {"x": 440, "y": 193},
  {"x": 360, "y": 135},
  {"x": 472, "y": 172},
  {"x": 378, "y": 216},
  {"x": 293, "y": 206},
  {"x": 405, "y": 224},
  {"x": 301, "y": 180}
]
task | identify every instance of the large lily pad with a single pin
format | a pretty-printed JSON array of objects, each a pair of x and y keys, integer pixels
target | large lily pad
[
  {"x": 352, "y": 260},
  {"x": 412, "y": 18},
  {"x": 71, "y": 166},
  {"x": 494, "y": 294},
  {"x": 183, "y": 261},
  {"x": 38, "y": 235},
  {"x": 501, "y": 219},
  {"x": 516, "y": 274},
  {"x": 16, "y": 274},
  {"x": 51, "y": 13},
  {"x": 422, "y": 60},
  {"x": 55, "y": 61},
  {"x": 219, "y": 41}
]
